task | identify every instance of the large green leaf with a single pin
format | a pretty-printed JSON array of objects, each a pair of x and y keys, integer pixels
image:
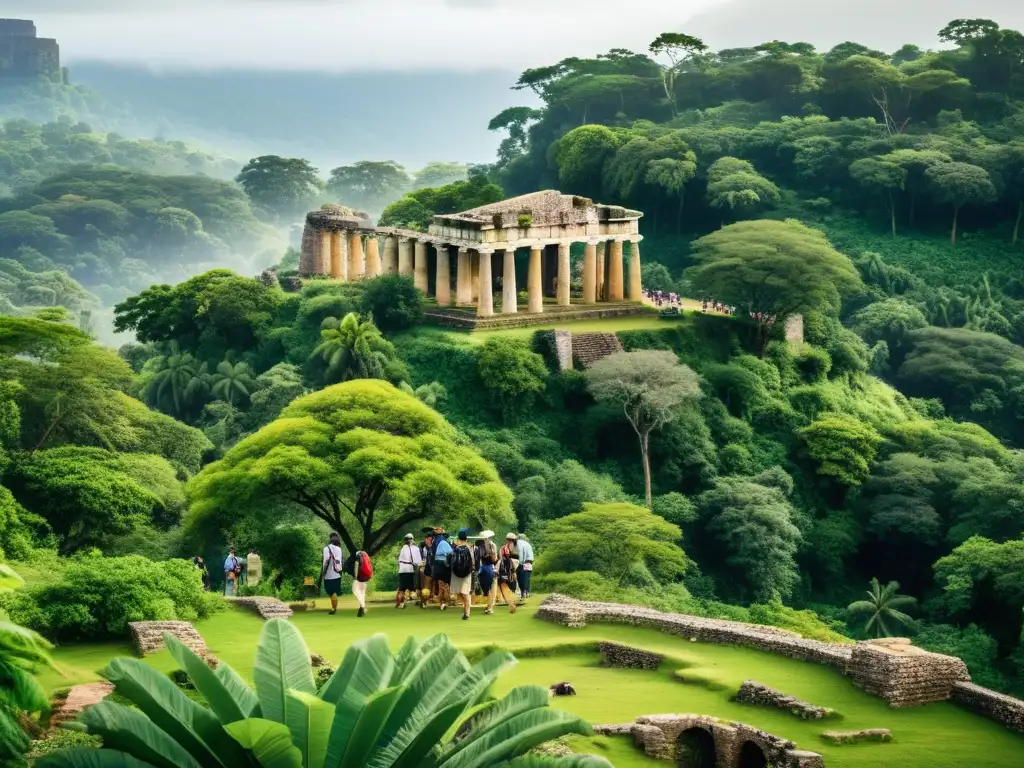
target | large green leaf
[
  {"x": 223, "y": 702},
  {"x": 362, "y": 741},
  {"x": 513, "y": 737},
  {"x": 406, "y": 659},
  {"x": 90, "y": 758},
  {"x": 418, "y": 752},
  {"x": 366, "y": 669},
  {"x": 282, "y": 665},
  {"x": 128, "y": 730},
  {"x": 572, "y": 761},
  {"x": 310, "y": 726},
  {"x": 518, "y": 700},
  {"x": 271, "y": 742},
  {"x": 194, "y": 727},
  {"x": 240, "y": 689}
]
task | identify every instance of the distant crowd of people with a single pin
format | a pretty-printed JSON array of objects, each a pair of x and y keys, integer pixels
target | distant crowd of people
[
  {"x": 436, "y": 570},
  {"x": 662, "y": 299},
  {"x": 716, "y": 306}
]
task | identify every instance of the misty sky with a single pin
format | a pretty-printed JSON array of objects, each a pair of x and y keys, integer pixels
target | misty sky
[{"x": 352, "y": 35}]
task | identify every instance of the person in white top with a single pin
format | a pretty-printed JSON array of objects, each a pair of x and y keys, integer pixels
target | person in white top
[
  {"x": 330, "y": 571},
  {"x": 409, "y": 559}
]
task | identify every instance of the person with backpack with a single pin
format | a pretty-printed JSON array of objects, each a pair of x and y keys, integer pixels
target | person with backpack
[
  {"x": 360, "y": 568},
  {"x": 409, "y": 560},
  {"x": 442, "y": 572},
  {"x": 232, "y": 570},
  {"x": 331, "y": 570},
  {"x": 462, "y": 567},
  {"x": 507, "y": 566},
  {"x": 525, "y": 550},
  {"x": 487, "y": 562}
]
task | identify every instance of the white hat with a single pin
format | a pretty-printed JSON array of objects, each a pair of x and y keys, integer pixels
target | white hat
[
  {"x": 409, "y": 536},
  {"x": 486, "y": 534},
  {"x": 510, "y": 536}
]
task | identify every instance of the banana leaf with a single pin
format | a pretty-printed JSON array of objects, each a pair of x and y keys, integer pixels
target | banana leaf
[
  {"x": 518, "y": 700},
  {"x": 310, "y": 726},
  {"x": 223, "y": 702},
  {"x": 271, "y": 742},
  {"x": 367, "y": 668},
  {"x": 128, "y": 730},
  {"x": 351, "y": 748},
  {"x": 282, "y": 665},
  {"x": 238, "y": 688},
  {"x": 418, "y": 752},
  {"x": 513, "y": 737},
  {"x": 83, "y": 757},
  {"x": 572, "y": 761}
]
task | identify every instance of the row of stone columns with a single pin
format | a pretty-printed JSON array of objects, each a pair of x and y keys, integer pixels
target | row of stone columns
[{"x": 348, "y": 259}]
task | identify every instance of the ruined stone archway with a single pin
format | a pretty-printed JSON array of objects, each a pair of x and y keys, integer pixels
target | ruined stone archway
[
  {"x": 695, "y": 748},
  {"x": 752, "y": 756}
]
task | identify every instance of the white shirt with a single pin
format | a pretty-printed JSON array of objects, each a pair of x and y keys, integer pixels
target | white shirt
[
  {"x": 408, "y": 558},
  {"x": 332, "y": 553},
  {"x": 525, "y": 551}
]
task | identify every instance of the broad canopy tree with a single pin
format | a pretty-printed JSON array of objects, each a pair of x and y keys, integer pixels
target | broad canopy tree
[{"x": 365, "y": 458}]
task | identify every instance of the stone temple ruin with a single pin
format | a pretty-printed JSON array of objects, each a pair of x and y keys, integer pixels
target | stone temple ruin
[
  {"x": 464, "y": 257},
  {"x": 25, "y": 55}
]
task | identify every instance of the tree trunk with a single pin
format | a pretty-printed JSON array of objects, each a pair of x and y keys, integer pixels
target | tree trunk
[
  {"x": 913, "y": 201},
  {"x": 1016, "y": 226},
  {"x": 892, "y": 213},
  {"x": 679, "y": 215},
  {"x": 956, "y": 215},
  {"x": 646, "y": 454}
]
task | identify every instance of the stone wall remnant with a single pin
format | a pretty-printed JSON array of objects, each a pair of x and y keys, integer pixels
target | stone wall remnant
[
  {"x": 25, "y": 55},
  {"x": 148, "y": 637},
  {"x": 266, "y": 607},
  {"x": 877, "y": 735},
  {"x": 903, "y": 675},
  {"x": 625, "y": 657},
  {"x": 997, "y": 706},
  {"x": 752, "y": 692}
]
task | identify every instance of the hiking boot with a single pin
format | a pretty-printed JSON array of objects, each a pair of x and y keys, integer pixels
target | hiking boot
[
  {"x": 465, "y": 617},
  {"x": 332, "y": 612},
  {"x": 361, "y": 613}
]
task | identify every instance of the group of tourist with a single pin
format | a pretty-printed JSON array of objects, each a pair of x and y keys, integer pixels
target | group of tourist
[
  {"x": 716, "y": 306},
  {"x": 662, "y": 299}
]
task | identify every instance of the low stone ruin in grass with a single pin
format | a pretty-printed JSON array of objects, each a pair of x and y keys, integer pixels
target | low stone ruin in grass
[
  {"x": 752, "y": 692},
  {"x": 876, "y": 735}
]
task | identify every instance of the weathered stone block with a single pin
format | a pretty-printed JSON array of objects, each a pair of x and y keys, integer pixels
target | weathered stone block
[
  {"x": 625, "y": 657},
  {"x": 856, "y": 737},
  {"x": 1001, "y": 708},
  {"x": 752, "y": 692},
  {"x": 148, "y": 637},
  {"x": 266, "y": 607}
]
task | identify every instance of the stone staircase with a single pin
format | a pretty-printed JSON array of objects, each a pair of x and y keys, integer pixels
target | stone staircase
[
  {"x": 588, "y": 348},
  {"x": 265, "y": 607}
]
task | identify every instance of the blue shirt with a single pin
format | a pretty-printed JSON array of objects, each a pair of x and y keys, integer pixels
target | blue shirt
[
  {"x": 525, "y": 551},
  {"x": 442, "y": 550},
  {"x": 231, "y": 563}
]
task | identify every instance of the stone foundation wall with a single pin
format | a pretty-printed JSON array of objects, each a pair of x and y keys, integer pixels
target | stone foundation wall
[
  {"x": 997, "y": 706},
  {"x": 624, "y": 657},
  {"x": 858, "y": 737},
  {"x": 266, "y": 607},
  {"x": 148, "y": 637},
  {"x": 752, "y": 692},
  {"x": 903, "y": 675}
]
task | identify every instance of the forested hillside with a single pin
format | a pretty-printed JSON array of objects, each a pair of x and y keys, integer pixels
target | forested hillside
[{"x": 879, "y": 195}]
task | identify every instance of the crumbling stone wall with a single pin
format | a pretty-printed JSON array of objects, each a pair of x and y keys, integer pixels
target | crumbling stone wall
[
  {"x": 624, "y": 657},
  {"x": 266, "y": 607},
  {"x": 23, "y": 55},
  {"x": 903, "y": 675},
  {"x": 752, "y": 692},
  {"x": 877, "y": 735},
  {"x": 999, "y": 707},
  {"x": 148, "y": 637}
]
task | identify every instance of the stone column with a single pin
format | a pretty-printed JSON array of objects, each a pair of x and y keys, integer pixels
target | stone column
[
  {"x": 615, "y": 281},
  {"x": 420, "y": 266},
  {"x": 443, "y": 286},
  {"x": 464, "y": 278},
  {"x": 389, "y": 265},
  {"x": 324, "y": 253},
  {"x": 372, "y": 256},
  {"x": 485, "y": 304},
  {"x": 636, "y": 292},
  {"x": 602, "y": 270},
  {"x": 508, "y": 283},
  {"x": 535, "y": 279},
  {"x": 337, "y": 270},
  {"x": 405, "y": 256},
  {"x": 590, "y": 274},
  {"x": 355, "y": 256},
  {"x": 474, "y": 258},
  {"x": 564, "y": 274}
]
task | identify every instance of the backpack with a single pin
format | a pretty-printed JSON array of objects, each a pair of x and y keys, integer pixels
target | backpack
[
  {"x": 505, "y": 570},
  {"x": 462, "y": 562},
  {"x": 363, "y": 567}
]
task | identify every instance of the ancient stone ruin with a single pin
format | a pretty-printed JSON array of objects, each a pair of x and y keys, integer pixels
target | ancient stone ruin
[
  {"x": 625, "y": 657},
  {"x": 148, "y": 637},
  {"x": 1000, "y": 707},
  {"x": 905, "y": 676},
  {"x": 25, "y": 55},
  {"x": 699, "y": 740},
  {"x": 266, "y": 607},
  {"x": 877, "y": 735},
  {"x": 752, "y": 692}
]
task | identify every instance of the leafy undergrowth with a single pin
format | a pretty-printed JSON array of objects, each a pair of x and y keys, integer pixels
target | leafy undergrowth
[{"x": 937, "y": 736}]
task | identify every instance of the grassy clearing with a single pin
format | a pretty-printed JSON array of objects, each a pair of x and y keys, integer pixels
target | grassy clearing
[
  {"x": 607, "y": 325},
  {"x": 936, "y": 736}
]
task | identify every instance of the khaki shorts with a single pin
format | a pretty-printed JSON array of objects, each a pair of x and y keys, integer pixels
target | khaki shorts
[{"x": 462, "y": 585}]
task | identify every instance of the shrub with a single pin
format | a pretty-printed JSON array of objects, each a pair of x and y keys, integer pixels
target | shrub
[
  {"x": 393, "y": 302},
  {"x": 94, "y": 597}
]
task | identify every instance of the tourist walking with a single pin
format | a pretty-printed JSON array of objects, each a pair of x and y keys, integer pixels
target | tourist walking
[
  {"x": 507, "y": 566},
  {"x": 462, "y": 567},
  {"x": 204, "y": 574},
  {"x": 360, "y": 567},
  {"x": 441, "y": 567},
  {"x": 426, "y": 569},
  {"x": 232, "y": 569},
  {"x": 525, "y": 572},
  {"x": 488, "y": 561},
  {"x": 331, "y": 570},
  {"x": 409, "y": 559}
]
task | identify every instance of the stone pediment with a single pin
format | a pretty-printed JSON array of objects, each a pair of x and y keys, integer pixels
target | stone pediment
[{"x": 549, "y": 208}]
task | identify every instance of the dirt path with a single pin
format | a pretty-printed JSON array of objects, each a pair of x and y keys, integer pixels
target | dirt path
[{"x": 80, "y": 697}]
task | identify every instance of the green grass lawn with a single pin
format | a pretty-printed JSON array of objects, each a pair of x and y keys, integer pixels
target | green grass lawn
[
  {"x": 597, "y": 325},
  {"x": 936, "y": 736}
]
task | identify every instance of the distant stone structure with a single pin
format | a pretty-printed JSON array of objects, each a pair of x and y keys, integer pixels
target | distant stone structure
[
  {"x": 148, "y": 637},
  {"x": 481, "y": 244},
  {"x": 758, "y": 694},
  {"x": 265, "y": 607},
  {"x": 24, "y": 55}
]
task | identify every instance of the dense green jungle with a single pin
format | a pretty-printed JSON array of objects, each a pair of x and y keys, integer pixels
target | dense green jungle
[{"x": 167, "y": 380}]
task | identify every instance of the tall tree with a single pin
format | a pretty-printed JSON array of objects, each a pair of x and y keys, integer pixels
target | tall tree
[
  {"x": 362, "y": 456},
  {"x": 179, "y": 385},
  {"x": 231, "y": 382},
  {"x": 881, "y": 174},
  {"x": 353, "y": 349},
  {"x": 959, "y": 184},
  {"x": 369, "y": 185},
  {"x": 650, "y": 387},
  {"x": 771, "y": 270},
  {"x": 678, "y": 48},
  {"x": 883, "y": 610},
  {"x": 282, "y": 186},
  {"x": 735, "y": 185}
]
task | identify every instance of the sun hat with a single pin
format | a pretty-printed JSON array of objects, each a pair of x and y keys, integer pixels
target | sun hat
[
  {"x": 510, "y": 537},
  {"x": 409, "y": 536},
  {"x": 488, "y": 534}
]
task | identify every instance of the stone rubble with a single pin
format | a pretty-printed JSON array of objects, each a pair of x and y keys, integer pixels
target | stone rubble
[
  {"x": 148, "y": 637},
  {"x": 266, "y": 607},
  {"x": 752, "y": 692},
  {"x": 857, "y": 737},
  {"x": 624, "y": 657}
]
